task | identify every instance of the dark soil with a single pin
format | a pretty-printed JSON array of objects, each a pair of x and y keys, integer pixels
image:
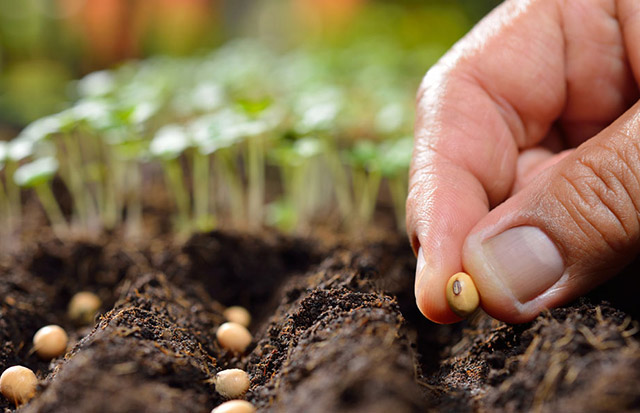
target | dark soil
[{"x": 335, "y": 330}]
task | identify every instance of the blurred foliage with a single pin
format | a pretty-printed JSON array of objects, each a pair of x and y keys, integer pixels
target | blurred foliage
[{"x": 44, "y": 43}]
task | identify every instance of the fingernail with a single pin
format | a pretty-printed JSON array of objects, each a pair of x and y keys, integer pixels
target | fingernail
[
  {"x": 419, "y": 264},
  {"x": 525, "y": 259}
]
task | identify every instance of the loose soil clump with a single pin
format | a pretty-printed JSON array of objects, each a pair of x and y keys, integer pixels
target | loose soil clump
[{"x": 335, "y": 329}]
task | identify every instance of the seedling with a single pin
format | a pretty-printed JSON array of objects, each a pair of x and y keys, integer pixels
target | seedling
[
  {"x": 394, "y": 166},
  {"x": 38, "y": 175},
  {"x": 83, "y": 307},
  {"x": 462, "y": 295},
  {"x": 233, "y": 337},
  {"x": 4, "y": 200},
  {"x": 50, "y": 342},
  {"x": 167, "y": 145},
  {"x": 214, "y": 137},
  {"x": 235, "y": 406},
  {"x": 237, "y": 314},
  {"x": 18, "y": 384},
  {"x": 232, "y": 383},
  {"x": 366, "y": 175},
  {"x": 304, "y": 181}
]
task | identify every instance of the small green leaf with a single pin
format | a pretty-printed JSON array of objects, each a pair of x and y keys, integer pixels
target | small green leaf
[
  {"x": 41, "y": 128},
  {"x": 96, "y": 84},
  {"x": 390, "y": 118},
  {"x": 396, "y": 156},
  {"x": 318, "y": 110},
  {"x": 169, "y": 142},
  {"x": 308, "y": 147},
  {"x": 36, "y": 173},
  {"x": 97, "y": 114},
  {"x": 19, "y": 149},
  {"x": 254, "y": 107},
  {"x": 365, "y": 155},
  {"x": 223, "y": 129}
]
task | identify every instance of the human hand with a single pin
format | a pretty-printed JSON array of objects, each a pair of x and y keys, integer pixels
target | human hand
[{"x": 496, "y": 188}]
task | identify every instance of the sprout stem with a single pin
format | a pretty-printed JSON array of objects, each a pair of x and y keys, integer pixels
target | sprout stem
[
  {"x": 229, "y": 175},
  {"x": 398, "y": 188},
  {"x": 13, "y": 197},
  {"x": 256, "y": 180},
  {"x": 51, "y": 209},
  {"x": 93, "y": 170},
  {"x": 133, "y": 185},
  {"x": 110, "y": 205},
  {"x": 4, "y": 212},
  {"x": 341, "y": 183},
  {"x": 73, "y": 177},
  {"x": 203, "y": 217},
  {"x": 175, "y": 181},
  {"x": 365, "y": 188},
  {"x": 291, "y": 191}
]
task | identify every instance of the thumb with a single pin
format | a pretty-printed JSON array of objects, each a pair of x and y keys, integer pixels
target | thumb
[{"x": 570, "y": 229}]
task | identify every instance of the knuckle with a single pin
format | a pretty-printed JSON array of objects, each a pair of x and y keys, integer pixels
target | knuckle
[{"x": 601, "y": 192}]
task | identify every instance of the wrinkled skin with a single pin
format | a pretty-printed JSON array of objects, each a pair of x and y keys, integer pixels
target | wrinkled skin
[{"x": 530, "y": 120}]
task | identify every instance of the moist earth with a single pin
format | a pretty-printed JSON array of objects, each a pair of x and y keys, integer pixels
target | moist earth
[{"x": 335, "y": 329}]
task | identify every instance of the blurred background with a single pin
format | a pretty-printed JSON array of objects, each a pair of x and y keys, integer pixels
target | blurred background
[{"x": 45, "y": 44}]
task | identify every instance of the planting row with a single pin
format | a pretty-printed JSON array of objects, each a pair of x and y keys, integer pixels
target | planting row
[{"x": 330, "y": 127}]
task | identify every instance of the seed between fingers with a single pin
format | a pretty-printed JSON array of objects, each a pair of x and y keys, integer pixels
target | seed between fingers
[{"x": 462, "y": 295}]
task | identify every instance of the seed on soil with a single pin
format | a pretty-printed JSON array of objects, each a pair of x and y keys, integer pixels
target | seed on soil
[
  {"x": 234, "y": 337},
  {"x": 232, "y": 383},
  {"x": 235, "y": 406},
  {"x": 238, "y": 315},
  {"x": 50, "y": 341},
  {"x": 83, "y": 307},
  {"x": 18, "y": 384},
  {"x": 462, "y": 295}
]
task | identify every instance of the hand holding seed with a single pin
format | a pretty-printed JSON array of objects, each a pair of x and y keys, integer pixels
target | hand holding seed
[{"x": 526, "y": 163}]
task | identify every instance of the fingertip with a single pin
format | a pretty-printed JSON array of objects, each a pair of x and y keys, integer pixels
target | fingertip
[
  {"x": 430, "y": 294},
  {"x": 435, "y": 313}
]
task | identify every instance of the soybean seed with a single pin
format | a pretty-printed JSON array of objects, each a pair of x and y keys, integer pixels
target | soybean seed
[
  {"x": 50, "y": 341},
  {"x": 18, "y": 384},
  {"x": 83, "y": 307},
  {"x": 462, "y": 295},
  {"x": 234, "y": 337},
  {"x": 238, "y": 315},
  {"x": 232, "y": 383},
  {"x": 235, "y": 406}
]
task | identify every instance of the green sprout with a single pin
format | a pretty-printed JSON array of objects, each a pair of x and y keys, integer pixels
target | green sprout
[
  {"x": 4, "y": 200},
  {"x": 37, "y": 175},
  {"x": 365, "y": 160},
  {"x": 318, "y": 111},
  {"x": 394, "y": 163},
  {"x": 302, "y": 173},
  {"x": 215, "y": 137},
  {"x": 168, "y": 144}
]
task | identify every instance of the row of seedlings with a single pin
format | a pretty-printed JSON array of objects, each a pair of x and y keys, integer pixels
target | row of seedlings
[{"x": 214, "y": 128}]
